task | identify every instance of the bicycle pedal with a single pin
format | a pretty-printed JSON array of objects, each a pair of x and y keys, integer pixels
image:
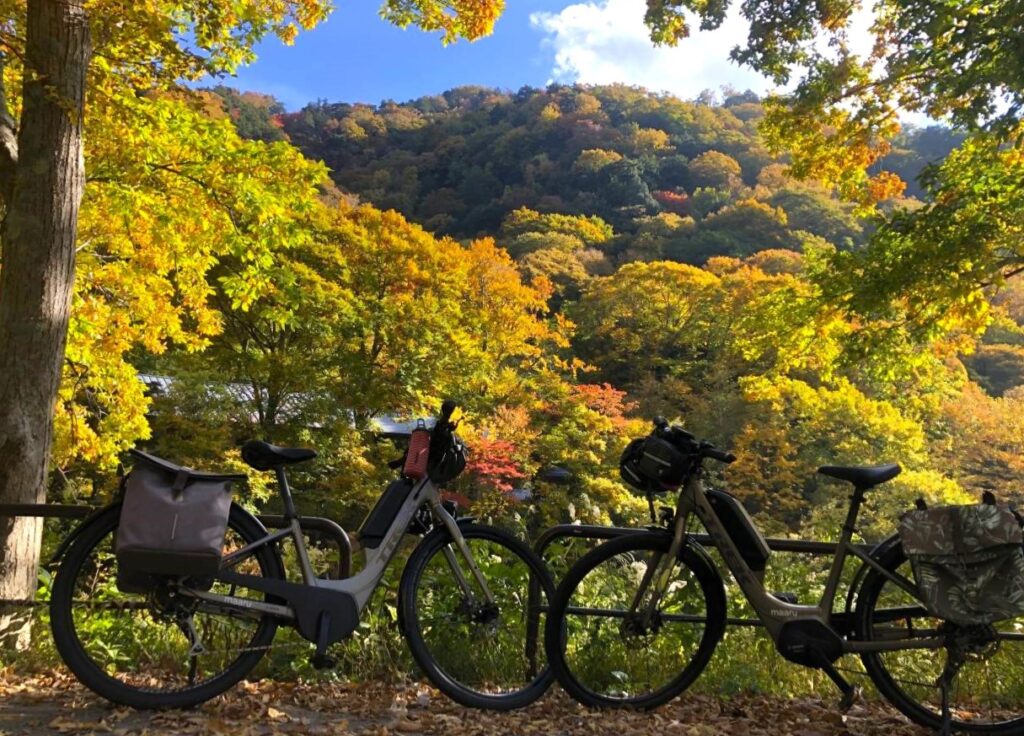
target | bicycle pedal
[
  {"x": 323, "y": 662},
  {"x": 786, "y": 597}
]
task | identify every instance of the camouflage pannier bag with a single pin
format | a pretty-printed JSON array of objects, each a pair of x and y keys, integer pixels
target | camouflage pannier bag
[{"x": 968, "y": 561}]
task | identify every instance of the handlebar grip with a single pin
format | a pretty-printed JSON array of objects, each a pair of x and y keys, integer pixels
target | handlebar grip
[{"x": 719, "y": 455}]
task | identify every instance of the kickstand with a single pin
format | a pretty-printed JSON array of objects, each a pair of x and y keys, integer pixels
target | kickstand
[
  {"x": 947, "y": 717},
  {"x": 944, "y": 681},
  {"x": 850, "y": 693},
  {"x": 195, "y": 646}
]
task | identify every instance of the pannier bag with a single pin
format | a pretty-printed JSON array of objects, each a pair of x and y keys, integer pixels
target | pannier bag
[
  {"x": 967, "y": 560},
  {"x": 173, "y": 521}
]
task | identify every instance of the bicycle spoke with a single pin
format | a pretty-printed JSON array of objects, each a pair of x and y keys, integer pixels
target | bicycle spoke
[{"x": 609, "y": 648}]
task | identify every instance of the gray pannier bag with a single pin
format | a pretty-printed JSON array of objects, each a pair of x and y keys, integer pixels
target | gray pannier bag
[
  {"x": 173, "y": 521},
  {"x": 967, "y": 560}
]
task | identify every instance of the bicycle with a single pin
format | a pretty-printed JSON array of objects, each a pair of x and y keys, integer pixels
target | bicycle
[
  {"x": 636, "y": 619},
  {"x": 461, "y": 601}
]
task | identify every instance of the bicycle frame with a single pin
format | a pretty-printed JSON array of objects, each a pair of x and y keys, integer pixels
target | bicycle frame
[
  {"x": 362, "y": 585},
  {"x": 774, "y": 612}
]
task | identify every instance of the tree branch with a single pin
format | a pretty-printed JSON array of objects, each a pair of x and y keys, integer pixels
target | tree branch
[{"x": 8, "y": 141}]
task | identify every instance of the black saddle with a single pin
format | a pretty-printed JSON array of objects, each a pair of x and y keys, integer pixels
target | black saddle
[
  {"x": 862, "y": 476},
  {"x": 265, "y": 456}
]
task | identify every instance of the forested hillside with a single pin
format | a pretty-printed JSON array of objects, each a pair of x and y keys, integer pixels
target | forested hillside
[
  {"x": 460, "y": 161},
  {"x": 586, "y": 258}
]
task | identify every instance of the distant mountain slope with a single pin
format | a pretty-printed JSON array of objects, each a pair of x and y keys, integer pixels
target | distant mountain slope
[
  {"x": 460, "y": 161},
  {"x": 670, "y": 179}
]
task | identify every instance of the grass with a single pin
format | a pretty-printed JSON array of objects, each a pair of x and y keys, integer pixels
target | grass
[{"x": 745, "y": 660}]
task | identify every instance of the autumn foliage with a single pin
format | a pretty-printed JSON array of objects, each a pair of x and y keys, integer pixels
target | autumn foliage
[{"x": 797, "y": 278}]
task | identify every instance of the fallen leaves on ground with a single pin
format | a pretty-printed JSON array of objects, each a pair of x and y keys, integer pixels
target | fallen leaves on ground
[{"x": 57, "y": 704}]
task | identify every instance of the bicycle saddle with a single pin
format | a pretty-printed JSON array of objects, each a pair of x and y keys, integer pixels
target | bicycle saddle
[
  {"x": 265, "y": 456},
  {"x": 862, "y": 476}
]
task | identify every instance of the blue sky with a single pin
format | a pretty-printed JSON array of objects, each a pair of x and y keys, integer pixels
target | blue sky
[{"x": 356, "y": 57}]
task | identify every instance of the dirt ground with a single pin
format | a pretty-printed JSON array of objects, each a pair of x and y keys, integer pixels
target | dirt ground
[{"x": 56, "y": 704}]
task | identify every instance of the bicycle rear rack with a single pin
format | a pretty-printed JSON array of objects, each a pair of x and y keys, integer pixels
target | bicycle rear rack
[{"x": 321, "y": 527}]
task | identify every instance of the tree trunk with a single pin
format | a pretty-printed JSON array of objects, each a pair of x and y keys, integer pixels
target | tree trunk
[{"x": 37, "y": 268}]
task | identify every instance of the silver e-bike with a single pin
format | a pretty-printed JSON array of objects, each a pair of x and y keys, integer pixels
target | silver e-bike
[{"x": 462, "y": 599}]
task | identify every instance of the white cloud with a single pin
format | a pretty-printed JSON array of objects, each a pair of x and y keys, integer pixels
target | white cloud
[{"x": 606, "y": 41}]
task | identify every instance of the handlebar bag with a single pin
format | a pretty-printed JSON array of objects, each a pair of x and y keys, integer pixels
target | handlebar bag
[
  {"x": 968, "y": 561},
  {"x": 653, "y": 465},
  {"x": 173, "y": 522},
  {"x": 447, "y": 454}
]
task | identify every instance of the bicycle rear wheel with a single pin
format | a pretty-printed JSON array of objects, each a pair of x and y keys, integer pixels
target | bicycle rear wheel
[
  {"x": 987, "y": 694},
  {"x": 479, "y": 655},
  {"x": 603, "y": 653},
  {"x": 137, "y": 649}
]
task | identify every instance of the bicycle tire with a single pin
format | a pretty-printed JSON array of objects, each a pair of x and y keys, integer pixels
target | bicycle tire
[
  {"x": 632, "y": 546},
  {"x": 880, "y": 672},
  {"x": 449, "y": 669},
  {"x": 76, "y": 653}
]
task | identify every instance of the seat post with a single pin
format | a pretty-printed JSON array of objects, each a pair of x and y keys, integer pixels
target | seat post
[
  {"x": 286, "y": 493},
  {"x": 856, "y": 500}
]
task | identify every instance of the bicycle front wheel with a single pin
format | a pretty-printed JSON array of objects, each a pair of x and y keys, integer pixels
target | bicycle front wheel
[
  {"x": 602, "y": 647},
  {"x": 480, "y": 653},
  {"x": 161, "y": 648},
  {"x": 986, "y": 695}
]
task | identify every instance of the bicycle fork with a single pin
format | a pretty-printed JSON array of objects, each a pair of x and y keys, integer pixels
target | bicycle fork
[
  {"x": 661, "y": 574},
  {"x": 460, "y": 542}
]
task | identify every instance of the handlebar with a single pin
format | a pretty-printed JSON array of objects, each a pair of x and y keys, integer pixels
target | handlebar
[
  {"x": 715, "y": 454},
  {"x": 688, "y": 442},
  {"x": 447, "y": 409},
  {"x": 672, "y": 432}
]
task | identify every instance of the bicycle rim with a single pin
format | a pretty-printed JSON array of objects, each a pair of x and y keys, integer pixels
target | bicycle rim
[{"x": 478, "y": 654}]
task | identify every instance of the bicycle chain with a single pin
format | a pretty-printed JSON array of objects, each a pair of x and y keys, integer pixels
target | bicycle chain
[{"x": 293, "y": 647}]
